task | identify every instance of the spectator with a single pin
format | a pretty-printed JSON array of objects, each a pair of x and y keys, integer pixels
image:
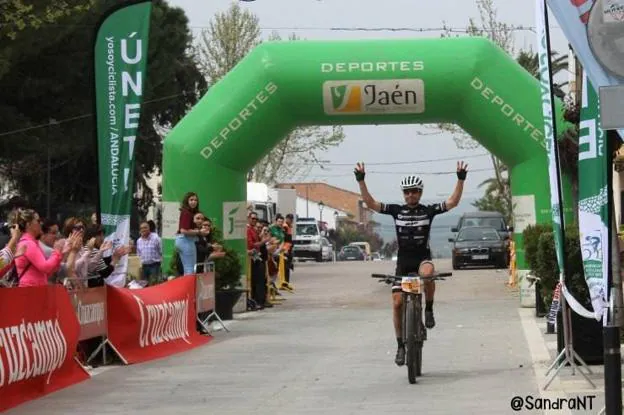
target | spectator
[
  {"x": 258, "y": 271},
  {"x": 72, "y": 224},
  {"x": 277, "y": 229},
  {"x": 187, "y": 233},
  {"x": 8, "y": 251},
  {"x": 288, "y": 245},
  {"x": 49, "y": 235},
  {"x": 100, "y": 267},
  {"x": 279, "y": 236},
  {"x": 206, "y": 249},
  {"x": 7, "y": 254},
  {"x": 149, "y": 250},
  {"x": 33, "y": 269},
  {"x": 273, "y": 250}
]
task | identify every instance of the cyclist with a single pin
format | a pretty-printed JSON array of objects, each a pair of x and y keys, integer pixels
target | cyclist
[{"x": 413, "y": 224}]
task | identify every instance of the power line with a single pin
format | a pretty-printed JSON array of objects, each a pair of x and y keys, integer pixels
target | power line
[
  {"x": 78, "y": 117},
  {"x": 518, "y": 28},
  {"x": 396, "y": 163},
  {"x": 422, "y": 173}
]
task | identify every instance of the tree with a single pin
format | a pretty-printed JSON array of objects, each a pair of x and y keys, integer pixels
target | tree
[
  {"x": 502, "y": 34},
  {"x": 230, "y": 36},
  {"x": 57, "y": 85},
  {"x": 351, "y": 232},
  {"x": 529, "y": 60},
  {"x": 19, "y": 23}
]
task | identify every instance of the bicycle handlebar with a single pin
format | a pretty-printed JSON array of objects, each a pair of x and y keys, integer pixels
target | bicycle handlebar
[{"x": 391, "y": 278}]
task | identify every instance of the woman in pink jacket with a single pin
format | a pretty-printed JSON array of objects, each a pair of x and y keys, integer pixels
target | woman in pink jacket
[{"x": 33, "y": 269}]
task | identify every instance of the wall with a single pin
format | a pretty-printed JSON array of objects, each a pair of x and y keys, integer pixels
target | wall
[{"x": 311, "y": 210}]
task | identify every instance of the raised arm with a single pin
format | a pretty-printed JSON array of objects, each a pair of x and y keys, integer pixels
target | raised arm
[
  {"x": 455, "y": 197},
  {"x": 371, "y": 203},
  {"x": 35, "y": 256}
]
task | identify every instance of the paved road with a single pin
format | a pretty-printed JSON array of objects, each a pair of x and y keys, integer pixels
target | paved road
[{"x": 329, "y": 349}]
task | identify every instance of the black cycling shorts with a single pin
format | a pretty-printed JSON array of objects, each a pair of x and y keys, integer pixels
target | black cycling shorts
[{"x": 406, "y": 266}]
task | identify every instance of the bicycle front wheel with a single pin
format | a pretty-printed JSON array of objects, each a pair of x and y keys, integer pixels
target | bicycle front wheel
[{"x": 410, "y": 326}]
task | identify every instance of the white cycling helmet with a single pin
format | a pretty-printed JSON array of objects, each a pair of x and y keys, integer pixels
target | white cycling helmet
[{"x": 411, "y": 182}]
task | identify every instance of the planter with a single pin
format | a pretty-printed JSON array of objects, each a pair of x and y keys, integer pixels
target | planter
[
  {"x": 224, "y": 302},
  {"x": 586, "y": 338},
  {"x": 540, "y": 307}
]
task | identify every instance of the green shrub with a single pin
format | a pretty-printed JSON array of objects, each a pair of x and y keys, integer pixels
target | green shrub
[
  {"x": 542, "y": 260},
  {"x": 227, "y": 269},
  {"x": 530, "y": 236}
]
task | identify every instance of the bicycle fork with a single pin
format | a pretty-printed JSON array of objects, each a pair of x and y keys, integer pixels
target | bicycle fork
[{"x": 420, "y": 331}]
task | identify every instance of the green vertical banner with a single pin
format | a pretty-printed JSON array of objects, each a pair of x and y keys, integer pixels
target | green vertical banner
[
  {"x": 593, "y": 199},
  {"x": 120, "y": 59},
  {"x": 549, "y": 128}
]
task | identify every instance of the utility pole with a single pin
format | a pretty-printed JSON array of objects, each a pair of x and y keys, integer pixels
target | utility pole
[{"x": 52, "y": 122}]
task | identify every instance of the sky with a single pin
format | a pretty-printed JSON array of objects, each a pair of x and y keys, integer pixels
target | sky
[{"x": 313, "y": 19}]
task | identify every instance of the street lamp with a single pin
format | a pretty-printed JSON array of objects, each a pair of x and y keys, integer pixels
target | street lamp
[{"x": 321, "y": 205}]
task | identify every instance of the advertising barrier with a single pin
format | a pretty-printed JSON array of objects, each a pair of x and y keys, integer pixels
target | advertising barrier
[
  {"x": 39, "y": 334},
  {"x": 205, "y": 290},
  {"x": 153, "y": 322},
  {"x": 90, "y": 306}
]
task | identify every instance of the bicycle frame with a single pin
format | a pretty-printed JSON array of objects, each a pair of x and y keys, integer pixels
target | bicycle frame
[{"x": 413, "y": 331}]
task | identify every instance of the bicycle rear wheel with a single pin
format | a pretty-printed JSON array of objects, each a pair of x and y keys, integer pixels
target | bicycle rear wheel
[{"x": 412, "y": 354}]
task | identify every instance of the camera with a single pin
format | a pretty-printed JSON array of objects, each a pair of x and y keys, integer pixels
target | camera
[{"x": 5, "y": 229}]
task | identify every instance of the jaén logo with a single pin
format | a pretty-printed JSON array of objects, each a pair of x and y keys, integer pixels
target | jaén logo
[
  {"x": 392, "y": 96},
  {"x": 346, "y": 98}
]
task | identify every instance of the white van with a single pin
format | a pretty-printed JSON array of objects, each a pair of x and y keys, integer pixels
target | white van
[{"x": 307, "y": 242}]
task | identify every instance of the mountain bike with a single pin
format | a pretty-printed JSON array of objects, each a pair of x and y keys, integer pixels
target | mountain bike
[{"x": 413, "y": 328}]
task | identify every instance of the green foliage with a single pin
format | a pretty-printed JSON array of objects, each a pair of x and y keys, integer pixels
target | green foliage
[
  {"x": 494, "y": 201},
  {"x": 530, "y": 237},
  {"x": 227, "y": 269},
  {"x": 52, "y": 79},
  {"x": 542, "y": 258},
  {"x": 21, "y": 24},
  {"x": 347, "y": 233},
  {"x": 16, "y": 16}
]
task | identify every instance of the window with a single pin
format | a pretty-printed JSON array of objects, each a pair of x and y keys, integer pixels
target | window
[
  {"x": 496, "y": 223},
  {"x": 469, "y": 234},
  {"x": 307, "y": 230}
]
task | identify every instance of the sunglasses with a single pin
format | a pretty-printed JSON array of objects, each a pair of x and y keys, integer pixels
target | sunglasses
[{"x": 410, "y": 191}]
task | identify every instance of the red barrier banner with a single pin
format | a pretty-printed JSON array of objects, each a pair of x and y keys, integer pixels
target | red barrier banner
[
  {"x": 205, "y": 291},
  {"x": 90, "y": 306},
  {"x": 38, "y": 339},
  {"x": 153, "y": 322}
]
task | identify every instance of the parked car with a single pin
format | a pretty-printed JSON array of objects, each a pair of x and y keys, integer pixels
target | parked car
[
  {"x": 351, "y": 253},
  {"x": 375, "y": 256},
  {"x": 327, "y": 250},
  {"x": 365, "y": 247},
  {"x": 479, "y": 245},
  {"x": 494, "y": 220}
]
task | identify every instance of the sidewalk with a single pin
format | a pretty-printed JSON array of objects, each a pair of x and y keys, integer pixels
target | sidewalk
[{"x": 543, "y": 349}]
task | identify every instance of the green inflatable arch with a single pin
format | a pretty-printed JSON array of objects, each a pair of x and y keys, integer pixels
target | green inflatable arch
[{"x": 282, "y": 85}]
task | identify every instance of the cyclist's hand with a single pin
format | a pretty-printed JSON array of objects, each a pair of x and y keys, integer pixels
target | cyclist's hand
[
  {"x": 359, "y": 172},
  {"x": 462, "y": 170}
]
